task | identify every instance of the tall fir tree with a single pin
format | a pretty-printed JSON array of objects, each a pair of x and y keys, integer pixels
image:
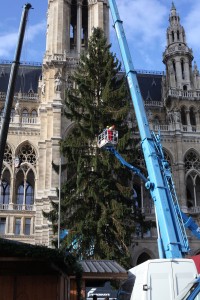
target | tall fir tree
[{"x": 96, "y": 205}]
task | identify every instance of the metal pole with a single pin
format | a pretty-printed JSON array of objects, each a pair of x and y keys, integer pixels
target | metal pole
[
  {"x": 11, "y": 85},
  {"x": 59, "y": 203}
]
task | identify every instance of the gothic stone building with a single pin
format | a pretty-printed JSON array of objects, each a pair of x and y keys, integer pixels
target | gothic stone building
[{"x": 172, "y": 101}]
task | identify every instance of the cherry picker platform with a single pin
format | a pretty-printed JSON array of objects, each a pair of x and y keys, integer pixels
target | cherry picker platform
[{"x": 108, "y": 138}]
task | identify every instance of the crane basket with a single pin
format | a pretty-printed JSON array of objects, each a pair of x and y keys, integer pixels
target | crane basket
[{"x": 108, "y": 138}]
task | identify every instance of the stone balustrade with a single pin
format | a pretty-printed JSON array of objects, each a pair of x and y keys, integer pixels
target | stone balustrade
[
  {"x": 190, "y": 95},
  {"x": 18, "y": 207}
]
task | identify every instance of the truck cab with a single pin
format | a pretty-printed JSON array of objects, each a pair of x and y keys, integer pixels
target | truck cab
[{"x": 163, "y": 279}]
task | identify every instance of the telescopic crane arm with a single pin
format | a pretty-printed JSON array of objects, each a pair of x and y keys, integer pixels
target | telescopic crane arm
[
  {"x": 11, "y": 84},
  {"x": 173, "y": 242}
]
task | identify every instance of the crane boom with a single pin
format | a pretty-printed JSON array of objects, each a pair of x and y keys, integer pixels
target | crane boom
[
  {"x": 174, "y": 242},
  {"x": 11, "y": 84}
]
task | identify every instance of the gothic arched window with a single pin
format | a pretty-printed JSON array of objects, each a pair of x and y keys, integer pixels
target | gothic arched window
[
  {"x": 185, "y": 87},
  {"x": 5, "y": 192},
  {"x": 20, "y": 194},
  {"x": 192, "y": 117},
  {"x": 172, "y": 36},
  {"x": 29, "y": 194},
  {"x": 25, "y": 113},
  {"x": 183, "y": 116},
  {"x": 193, "y": 189},
  {"x": 25, "y": 177},
  {"x": 34, "y": 113},
  {"x": 182, "y": 69},
  {"x": 178, "y": 35},
  {"x": 174, "y": 68},
  {"x": 26, "y": 153},
  {"x": 8, "y": 154},
  {"x": 192, "y": 161},
  {"x": 25, "y": 194},
  {"x": 192, "y": 170}
]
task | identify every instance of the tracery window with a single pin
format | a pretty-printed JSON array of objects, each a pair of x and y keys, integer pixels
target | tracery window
[
  {"x": 27, "y": 154},
  {"x": 25, "y": 177},
  {"x": 192, "y": 170},
  {"x": 192, "y": 161},
  {"x": 5, "y": 192},
  {"x": 6, "y": 178},
  {"x": 8, "y": 155}
]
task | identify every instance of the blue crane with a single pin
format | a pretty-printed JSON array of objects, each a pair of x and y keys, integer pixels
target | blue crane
[{"x": 172, "y": 238}]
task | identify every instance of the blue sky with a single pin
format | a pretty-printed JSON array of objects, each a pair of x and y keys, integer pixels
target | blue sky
[{"x": 145, "y": 24}]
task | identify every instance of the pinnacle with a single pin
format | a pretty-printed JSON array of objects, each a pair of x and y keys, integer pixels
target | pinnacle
[{"x": 173, "y": 6}]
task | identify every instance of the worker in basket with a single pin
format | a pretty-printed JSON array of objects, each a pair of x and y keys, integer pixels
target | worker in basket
[{"x": 110, "y": 132}]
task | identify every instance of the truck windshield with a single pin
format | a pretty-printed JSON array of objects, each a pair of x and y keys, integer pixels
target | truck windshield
[
  {"x": 126, "y": 288},
  {"x": 191, "y": 291}
]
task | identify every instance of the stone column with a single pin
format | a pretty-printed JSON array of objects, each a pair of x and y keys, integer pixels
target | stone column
[
  {"x": 195, "y": 196},
  {"x": 187, "y": 73},
  {"x": 188, "y": 117},
  {"x": 79, "y": 25},
  {"x": 182, "y": 186}
]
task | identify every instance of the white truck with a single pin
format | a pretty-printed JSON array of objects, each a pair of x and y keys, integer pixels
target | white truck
[{"x": 162, "y": 279}]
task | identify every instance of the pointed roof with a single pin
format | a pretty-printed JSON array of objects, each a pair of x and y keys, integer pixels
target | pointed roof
[
  {"x": 173, "y": 6},
  {"x": 173, "y": 10}
]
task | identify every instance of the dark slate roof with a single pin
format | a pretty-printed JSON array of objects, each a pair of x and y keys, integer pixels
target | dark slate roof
[
  {"x": 103, "y": 267},
  {"x": 149, "y": 83},
  {"x": 150, "y": 86},
  {"x": 27, "y": 78}
]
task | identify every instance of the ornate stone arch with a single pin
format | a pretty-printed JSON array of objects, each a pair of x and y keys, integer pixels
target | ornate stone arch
[
  {"x": 191, "y": 160},
  {"x": 26, "y": 142},
  {"x": 168, "y": 156},
  {"x": 6, "y": 176},
  {"x": 143, "y": 255},
  {"x": 24, "y": 111},
  {"x": 69, "y": 129}
]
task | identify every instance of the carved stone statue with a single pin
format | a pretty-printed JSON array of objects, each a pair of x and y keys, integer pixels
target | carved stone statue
[
  {"x": 177, "y": 116},
  {"x": 17, "y": 108},
  {"x": 58, "y": 83},
  {"x": 43, "y": 88}
]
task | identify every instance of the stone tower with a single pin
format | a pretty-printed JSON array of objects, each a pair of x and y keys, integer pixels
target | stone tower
[
  {"x": 176, "y": 116},
  {"x": 177, "y": 56},
  {"x": 69, "y": 25},
  {"x": 181, "y": 97}
]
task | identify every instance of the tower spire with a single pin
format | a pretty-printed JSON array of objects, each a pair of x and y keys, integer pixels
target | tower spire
[
  {"x": 173, "y": 6},
  {"x": 177, "y": 56}
]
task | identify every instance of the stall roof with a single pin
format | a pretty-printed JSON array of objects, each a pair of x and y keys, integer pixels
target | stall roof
[{"x": 103, "y": 269}]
